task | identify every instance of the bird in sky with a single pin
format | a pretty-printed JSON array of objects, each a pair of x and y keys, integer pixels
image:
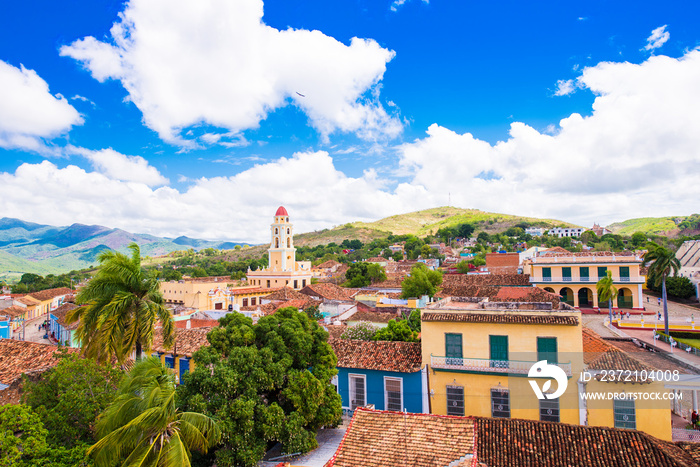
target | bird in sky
[{"x": 301, "y": 94}]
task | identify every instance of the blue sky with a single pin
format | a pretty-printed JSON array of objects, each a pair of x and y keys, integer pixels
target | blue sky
[{"x": 199, "y": 118}]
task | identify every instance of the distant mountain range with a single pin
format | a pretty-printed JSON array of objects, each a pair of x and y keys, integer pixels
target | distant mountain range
[{"x": 47, "y": 249}]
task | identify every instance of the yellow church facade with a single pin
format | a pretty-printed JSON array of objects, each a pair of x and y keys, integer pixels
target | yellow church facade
[{"x": 283, "y": 269}]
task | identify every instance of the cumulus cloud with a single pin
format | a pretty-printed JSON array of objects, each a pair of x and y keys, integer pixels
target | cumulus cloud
[
  {"x": 187, "y": 62},
  {"x": 238, "y": 207},
  {"x": 118, "y": 166},
  {"x": 658, "y": 37},
  {"x": 638, "y": 153},
  {"x": 29, "y": 113}
]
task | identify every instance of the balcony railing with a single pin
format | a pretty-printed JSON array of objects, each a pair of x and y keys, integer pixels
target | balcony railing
[
  {"x": 584, "y": 279},
  {"x": 480, "y": 365}
]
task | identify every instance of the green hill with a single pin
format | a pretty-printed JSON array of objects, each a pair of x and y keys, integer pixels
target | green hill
[
  {"x": 428, "y": 221},
  {"x": 650, "y": 225}
]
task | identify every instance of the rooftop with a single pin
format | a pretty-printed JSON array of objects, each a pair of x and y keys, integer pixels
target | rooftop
[
  {"x": 598, "y": 354},
  {"x": 404, "y": 357},
  {"x": 284, "y": 294},
  {"x": 50, "y": 294},
  {"x": 372, "y": 316},
  {"x": 60, "y": 314},
  {"x": 18, "y": 357},
  {"x": 380, "y": 438},
  {"x": 326, "y": 291},
  {"x": 281, "y": 211},
  {"x": 187, "y": 341}
]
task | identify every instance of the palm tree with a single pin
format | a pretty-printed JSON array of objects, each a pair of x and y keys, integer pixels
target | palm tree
[
  {"x": 142, "y": 427},
  {"x": 606, "y": 291},
  {"x": 661, "y": 262},
  {"x": 122, "y": 306}
]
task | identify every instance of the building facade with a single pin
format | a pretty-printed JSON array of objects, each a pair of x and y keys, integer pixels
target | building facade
[
  {"x": 283, "y": 269},
  {"x": 574, "y": 277},
  {"x": 566, "y": 232}
]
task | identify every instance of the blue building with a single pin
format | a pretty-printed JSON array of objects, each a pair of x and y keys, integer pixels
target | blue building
[
  {"x": 61, "y": 331},
  {"x": 386, "y": 375},
  {"x": 179, "y": 357}
]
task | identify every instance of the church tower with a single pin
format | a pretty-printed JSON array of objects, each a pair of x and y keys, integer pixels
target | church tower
[{"x": 281, "y": 254}]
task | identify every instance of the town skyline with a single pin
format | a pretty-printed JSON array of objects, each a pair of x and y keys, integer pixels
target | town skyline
[{"x": 342, "y": 113}]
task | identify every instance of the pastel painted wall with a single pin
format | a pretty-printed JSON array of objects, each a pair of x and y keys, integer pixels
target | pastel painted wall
[{"x": 374, "y": 381}]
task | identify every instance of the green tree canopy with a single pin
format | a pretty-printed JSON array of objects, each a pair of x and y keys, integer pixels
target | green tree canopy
[
  {"x": 70, "y": 396},
  {"x": 421, "y": 281},
  {"x": 122, "y": 305},
  {"x": 606, "y": 292},
  {"x": 21, "y": 431},
  {"x": 638, "y": 239},
  {"x": 662, "y": 262},
  {"x": 264, "y": 382},
  {"x": 142, "y": 426},
  {"x": 396, "y": 331},
  {"x": 363, "y": 274}
]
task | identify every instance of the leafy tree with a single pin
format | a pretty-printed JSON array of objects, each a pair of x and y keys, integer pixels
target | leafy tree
[
  {"x": 638, "y": 239},
  {"x": 414, "y": 320},
  {"x": 170, "y": 274},
  {"x": 396, "y": 331},
  {"x": 602, "y": 246},
  {"x": 425, "y": 251},
  {"x": 479, "y": 260},
  {"x": 661, "y": 262},
  {"x": 122, "y": 305},
  {"x": 680, "y": 287},
  {"x": 607, "y": 292},
  {"x": 421, "y": 281},
  {"x": 143, "y": 426},
  {"x": 363, "y": 274},
  {"x": 21, "y": 431},
  {"x": 362, "y": 331},
  {"x": 264, "y": 382},
  {"x": 398, "y": 255},
  {"x": 70, "y": 396},
  {"x": 463, "y": 267},
  {"x": 313, "y": 313},
  {"x": 465, "y": 230},
  {"x": 483, "y": 237}
]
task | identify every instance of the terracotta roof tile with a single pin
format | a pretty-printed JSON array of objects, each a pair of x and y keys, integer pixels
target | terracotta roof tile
[
  {"x": 13, "y": 311},
  {"x": 451, "y": 280},
  {"x": 285, "y": 293},
  {"x": 378, "y": 438},
  {"x": 335, "y": 330},
  {"x": 300, "y": 304},
  {"x": 326, "y": 291},
  {"x": 503, "y": 318},
  {"x": 404, "y": 357},
  {"x": 512, "y": 442},
  {"x": 266, "y": 309},
  {"x": 60, "y": 314},
  {"x": 600, "y": 355},
  {"x": 327, "y": 264},
  {"x": 373, "y": 316},
  {"x": 390, "y": 439},
  {"x": 17, "y": 357},
  {"x": 50, "y": 294},
  {"x": 29, "y": 301},
  {"x": 187, "y": 341}
]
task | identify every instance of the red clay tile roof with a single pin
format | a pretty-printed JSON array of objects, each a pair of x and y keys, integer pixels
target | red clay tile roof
[
  {"x": 300, "y": 304},
  {"x": 393, "y": 281},
  {"x": 285, "y": 293},
  {"x": 326, "y": 291},
  {"x": 327, "y": 264},
  {"x": 511, "y": 442},
  {"x": 13, "y": 311},
  {"x": 335, "y": 330},
  {"x": 502, "y": 260},
  {"x": 266, "y": 309},
  {"x": 453, "y": 280},
  {"x": 187, "y": 341},
  {"x": 390, "y": 439},
  {"x": 17, "y": 357},
  {"x": 504, "y": 318},
  {"x": 600, "y": 355},
  {"x": 60, "y": 314},
  {"x": 27, "y": 300},
  {"x": 378, "y": 439},
  {"x": 373, "y": 316},
  {"x": 247, "y": 291},
  {"x": 50, "y": 294},
  {"x": 404, "y": 357},
  {"x": 377, "y": 259}
]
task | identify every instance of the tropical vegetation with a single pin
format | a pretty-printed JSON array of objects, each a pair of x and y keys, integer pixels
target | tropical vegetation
[
  {"x": 662, "y": 262},
  {"x": 606, "y": 292},
  {"x": 121, "y": 306},
  {"x": 143, "y": 426},
  {"x": 421, "y": 281}
]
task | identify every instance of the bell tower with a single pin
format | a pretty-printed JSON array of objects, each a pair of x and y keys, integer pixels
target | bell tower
[{"x": 281, "y": 254}]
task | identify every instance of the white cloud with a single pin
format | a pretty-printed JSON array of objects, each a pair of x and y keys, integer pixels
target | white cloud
[
  {"x": 239, "y": 207},
  {"x": 565, "y": 87},
  {"x": 118, "y": 166},
  {"x": 658, "y": 37},
  {"x": 638, "y": 154},
  {"x": 399, "y": 3},
  {"x": 29, "y": 113},
  {"x": 190, "y": 62}
]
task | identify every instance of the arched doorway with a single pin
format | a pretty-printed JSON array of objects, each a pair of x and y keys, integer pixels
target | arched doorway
[
  {"x": 585, "y": 298},
  {"x": 567, "y": 296},
  {"x": 624, "y": 298}
]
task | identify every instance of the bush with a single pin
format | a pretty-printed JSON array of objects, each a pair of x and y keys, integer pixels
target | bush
[
  {"x": 396, "y": 331},
  {"x": 676, "y": 286}
]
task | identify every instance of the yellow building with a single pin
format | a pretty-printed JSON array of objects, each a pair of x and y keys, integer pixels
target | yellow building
[
  {"x": 283, "y": 269},
  {"x": 482, "y": 360},
  {"x": 210, "y": 293},
  {"x": 574, "y": 277},
  {"x": 479, "y": 354}
]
